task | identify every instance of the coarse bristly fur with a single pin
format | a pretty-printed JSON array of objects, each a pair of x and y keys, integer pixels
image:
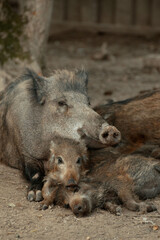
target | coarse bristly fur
[
  {"x": 73, "y": 158},
  {"x": 34, "y": 109},
  {"x": 129, "y": 176},
  {"x": 71, "y": 81},
  {"x": 120, "y": 181},
  {"x": 137, "y": 118},
  {"x": 66, "y": 164},
  {"x": 109, "y": 184}
]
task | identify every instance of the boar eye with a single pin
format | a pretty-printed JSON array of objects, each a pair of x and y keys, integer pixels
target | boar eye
[
  {"x": 79, "y": 161},
  {"x": 62, "y": 103},
  {"x": 60, "y": 161}
]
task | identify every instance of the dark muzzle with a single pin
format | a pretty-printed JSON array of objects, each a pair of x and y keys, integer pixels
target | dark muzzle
[{"x": 71, "y": 183}]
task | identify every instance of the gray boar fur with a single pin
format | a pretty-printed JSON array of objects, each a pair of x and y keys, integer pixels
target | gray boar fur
[{"x": 34, "y": 109}]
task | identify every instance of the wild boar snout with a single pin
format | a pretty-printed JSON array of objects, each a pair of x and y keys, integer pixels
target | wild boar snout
[
  {"x": 96, "y": 128},
  {"x": 109, "y": 135},
  {"x": 80, "y": 205},
  {"x": 71, "y": 183},
  {"x": 78, "y": 209}
]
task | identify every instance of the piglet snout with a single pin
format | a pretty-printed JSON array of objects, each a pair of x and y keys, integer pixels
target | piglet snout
[
  {"x": 78, "y": 210},
  {"x": 109, "y": 135},
  {"x": 71, "y": 183}
]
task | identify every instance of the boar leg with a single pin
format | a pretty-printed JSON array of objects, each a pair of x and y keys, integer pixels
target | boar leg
[
  {"x": 113, "y": 208},
  {"x": 148, "y": 150},
  {"x": 127, "y": 198},
  {"x": 156, "y": 153},
  {"x": 34, "y": 174},
  {"x": 49, "y": 194}
]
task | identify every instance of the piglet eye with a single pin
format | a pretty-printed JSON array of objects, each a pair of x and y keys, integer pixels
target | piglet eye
[
  {"x": 60, "y": 161},
  {"x": 79, "y": 160},
  {"x": 62, "y": 103}
]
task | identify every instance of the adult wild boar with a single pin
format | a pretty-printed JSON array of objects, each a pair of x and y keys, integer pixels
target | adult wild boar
[
  {"x": 34, "y": 109},
  {"x": 137, "y": 119}
]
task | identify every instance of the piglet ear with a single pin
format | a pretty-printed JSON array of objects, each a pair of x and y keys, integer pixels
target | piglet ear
[
  {"x": 39, "y": 86},
  {"x": 83, "y": 76},
  {"x": 85, "y": 159}
]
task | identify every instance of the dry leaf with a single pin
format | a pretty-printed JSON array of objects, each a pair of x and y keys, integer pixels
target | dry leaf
[
  {"x": 11, "y": 205},
  {"x": 155, "y": 227}
]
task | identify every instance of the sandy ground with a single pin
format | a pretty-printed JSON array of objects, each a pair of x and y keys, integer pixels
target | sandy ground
[{"x": 132, "y": 66}]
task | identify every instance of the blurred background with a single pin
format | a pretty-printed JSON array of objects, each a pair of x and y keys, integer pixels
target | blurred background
[{"x": 116, "y": 41}]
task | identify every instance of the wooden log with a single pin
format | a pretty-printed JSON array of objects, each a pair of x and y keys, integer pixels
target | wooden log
[
  {"x": 89, "y": 11},
  {"x": 123, "y": 12},
  {"x": 156, "y": 13},
  {"x": 73, "y": 10},
  {"x": 143, "y": 12},
  {"x": 107, "y": 11},
  {"x": 58, "y": 10}
]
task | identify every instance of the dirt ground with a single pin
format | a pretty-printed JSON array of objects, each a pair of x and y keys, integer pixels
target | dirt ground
[{"x": 132, "y": 66}]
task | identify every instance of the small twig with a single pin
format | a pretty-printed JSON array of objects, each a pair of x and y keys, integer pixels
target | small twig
[
  {"x": 156, "y": 216},
  {"x": 118, "y": 226},
  {"x": 9, "y": 182},
  {"x": 3, "y": 198}
]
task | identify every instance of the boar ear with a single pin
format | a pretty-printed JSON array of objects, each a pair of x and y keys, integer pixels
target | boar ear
[
  {"x": 38, "y": 87},
  {"x": 52, "y": 152},
  {"x": 52, "y": 146},
  {"x": 51, "y": 159},
  {"x": 83, "y": 76}
]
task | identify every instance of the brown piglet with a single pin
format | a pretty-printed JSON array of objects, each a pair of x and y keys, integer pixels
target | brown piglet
[{"x": 66, "y": 164}]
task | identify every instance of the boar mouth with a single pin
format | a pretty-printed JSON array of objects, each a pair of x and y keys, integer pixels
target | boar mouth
[
  {"x": 73, "y": 188},
  {"x": 85, "y": 136},
  {"x": 108, "y": 135}
]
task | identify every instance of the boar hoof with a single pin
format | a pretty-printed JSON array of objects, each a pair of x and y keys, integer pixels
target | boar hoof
[
  {"x": 151, "y": 208},
  {"x": 118, "y": 211},
  {"x": 146, "y": 207},
  {"x": 109, "y": 135},
  {"x": 44, "y": 207},
  {"x": 31, "y": 196},
  {"x": 38, "y": 196},
  {"x": 35, "y": 196}
]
